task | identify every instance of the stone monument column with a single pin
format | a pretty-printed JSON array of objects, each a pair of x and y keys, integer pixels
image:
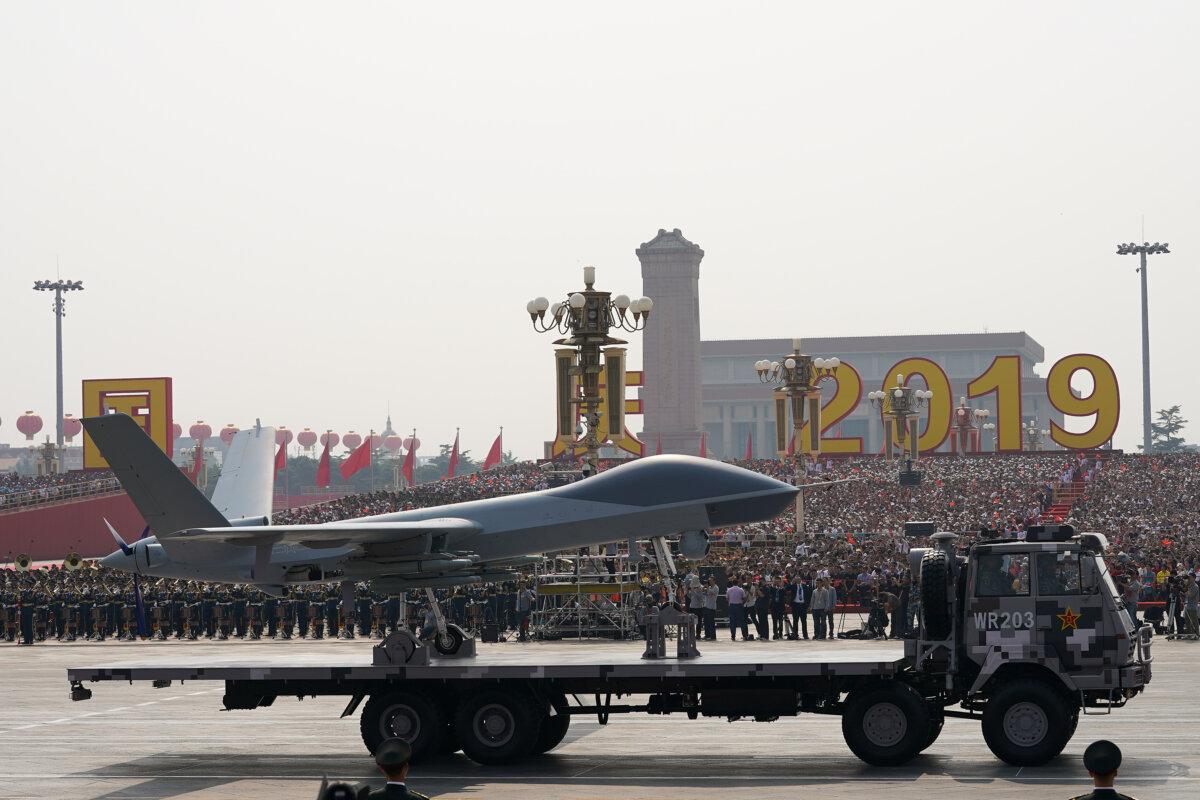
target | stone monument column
[{"x": 671, "y": 344}]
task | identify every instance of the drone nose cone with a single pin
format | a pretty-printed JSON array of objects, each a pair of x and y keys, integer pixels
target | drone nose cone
[{"x": 117, "y": 560}]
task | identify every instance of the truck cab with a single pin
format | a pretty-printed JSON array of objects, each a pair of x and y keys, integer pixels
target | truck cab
[{"x": 1028, "y": 634}]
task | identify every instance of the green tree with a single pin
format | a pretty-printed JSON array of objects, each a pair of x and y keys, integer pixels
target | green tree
[{"x": 1164, "y": 436}]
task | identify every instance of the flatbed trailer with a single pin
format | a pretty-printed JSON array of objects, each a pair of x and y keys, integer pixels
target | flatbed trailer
[{"x": 508, "y": 702}]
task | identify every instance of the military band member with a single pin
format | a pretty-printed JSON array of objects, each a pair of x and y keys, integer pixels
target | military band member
[{"x": 316, "y": 615}]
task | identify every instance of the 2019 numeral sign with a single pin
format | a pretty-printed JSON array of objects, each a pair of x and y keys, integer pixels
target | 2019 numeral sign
[{"x": 1002, "y": 378}]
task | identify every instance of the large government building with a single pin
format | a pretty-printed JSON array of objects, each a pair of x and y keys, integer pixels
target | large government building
[{"x": 695, "y": 387}]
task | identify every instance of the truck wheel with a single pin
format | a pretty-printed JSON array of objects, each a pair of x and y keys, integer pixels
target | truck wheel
[
  {"x": 497, "y": 727},
  {"x": 1026, "y": 723},
  {"x": 410, "y": 715},
  {"x": 552, "y": 732},
  {"x": 935, "y": 596},
  {"x": 886, "y": 726},
  {"x": 937, "y": 720}
]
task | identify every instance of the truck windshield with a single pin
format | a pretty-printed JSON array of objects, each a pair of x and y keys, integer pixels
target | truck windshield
[
  {"x": 1107, "y": 580},
  {"x": 999, "y": 575}
]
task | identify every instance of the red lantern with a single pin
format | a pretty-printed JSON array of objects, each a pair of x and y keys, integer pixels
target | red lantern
[
  {"x": 412, "y": 443},
  {"x": 71, "y": 427},
  {"x": 29, "y": 424},
  {"x": 200, "y": 431},
  {"x": 392, "y": 442},
  {"x": 352, "y": 440},
  {"x": 228, "y": 432},
  {"x": 307, "y": 438},
  {"x": 329, "y": 439},
  {"x": 176, "y": 430},
  {"x": 376, "y": 441},
  {"x": 283, "y": 435}
]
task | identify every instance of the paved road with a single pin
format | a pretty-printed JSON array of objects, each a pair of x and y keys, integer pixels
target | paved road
[{"x": 138, "y": 742}]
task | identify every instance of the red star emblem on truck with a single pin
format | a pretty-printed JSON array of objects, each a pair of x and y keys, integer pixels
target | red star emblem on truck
[{"x": 1069, "y": 619}]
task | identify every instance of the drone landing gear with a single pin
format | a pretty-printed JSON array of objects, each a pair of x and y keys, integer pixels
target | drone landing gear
[{"x": 449, "y": 640}]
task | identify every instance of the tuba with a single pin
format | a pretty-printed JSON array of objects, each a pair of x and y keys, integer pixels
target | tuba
[
  {"x": 23, "y": 562},
  {"x": 73, "y": 562}
]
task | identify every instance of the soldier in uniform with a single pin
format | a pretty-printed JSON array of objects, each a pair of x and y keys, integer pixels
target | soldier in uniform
[
  {"x": 362, "y": 610},
  {"x": 316, "y": 614},
  {"x": 268, "y": 615},
  {"x": 1102, "y": 760},
  {"x": 223, "y": 616},
  {"x": 379, "y": 619},
  {"x": 332, "y": 612},
  {"x": 392, "y": 757},
  {"x": 70, "y": 627},
  {"x": 238, "y": 596},
  {"x": 8, "y": 622},
  {"x": 84, "y": 617},
  {"x": 41, "y": 617},
  {"x": 55, "y": 606},
  {"x": 99, "y": 620},
  {"x": 283, "y": 613},
  {"x": 254, "y": 614},
  {"x": 26, "y": 611},
  {"x": 127, "y": 623}
]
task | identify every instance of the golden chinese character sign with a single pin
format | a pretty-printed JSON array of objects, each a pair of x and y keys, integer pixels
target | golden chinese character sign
[
  {"x": 146, "y": 400},
  {"x": 615, "y": 406}
]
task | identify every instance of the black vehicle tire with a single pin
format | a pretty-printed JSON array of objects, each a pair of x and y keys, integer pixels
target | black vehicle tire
[
  {"x": 448, "y": 742},
  {"x": 887, "y": 725},
  {"x": 937, "y": 720},
  {"x": 935, "y": 595},
  {"x": 552, "y": 732},
  {"x": 448, "y": 645},
  {"x": 410, "y": 715},
  {"x": 1027, "y": 723},
  {"x": 497, "y": 727}
]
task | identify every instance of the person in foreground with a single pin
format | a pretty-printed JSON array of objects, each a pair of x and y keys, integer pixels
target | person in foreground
[
  {"x": 1102, "y": 760},
  {"x": 392, "y": 757}
]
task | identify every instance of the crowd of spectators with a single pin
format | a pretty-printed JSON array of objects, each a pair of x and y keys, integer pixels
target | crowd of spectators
[
  {"x": 20, "y": 491},
  {"x": 512, "y": 479}
]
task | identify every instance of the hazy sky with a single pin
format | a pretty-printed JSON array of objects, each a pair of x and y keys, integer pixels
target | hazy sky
[{"x": 303, "y": 211}]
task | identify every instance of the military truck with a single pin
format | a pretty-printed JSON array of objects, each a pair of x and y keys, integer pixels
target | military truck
[{"x": 1021, "y": 636}]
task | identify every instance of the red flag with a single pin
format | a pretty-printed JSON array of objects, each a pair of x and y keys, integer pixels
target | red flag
[
  {"x": 791, "y": 451},
  {"x": 281, "y": 458},
  {"x": 410, "y": 460},
  {"x": 704, "y": 445},
  {"x": 197, "y": 465},
  {"x": 453, "y": 458},
  {"x": 323, "y": 468},
  {"x": 749, "y": 447},
  {"x": 658, "y": 446},
  {"x": 493, "y": 456},
  {"x": 360, "y": 458}
]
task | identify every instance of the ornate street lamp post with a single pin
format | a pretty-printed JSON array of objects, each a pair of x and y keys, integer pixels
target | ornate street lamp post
[
  {"x": 797, "y": 377},
  {"x": 965, "y": 432},
  {"x": 587, "y": 317},
  {"x": 900, "y": 406},
  {"x": 1034, "y": 435},
  {"x": 991, "y": 427}
]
